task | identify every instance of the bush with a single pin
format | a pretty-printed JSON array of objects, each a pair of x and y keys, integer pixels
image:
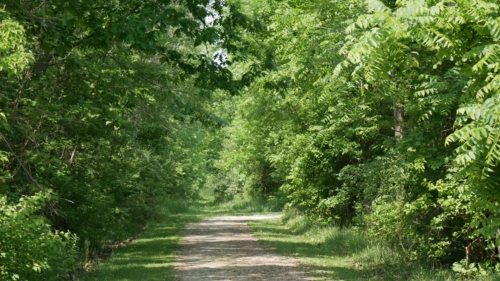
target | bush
[{"x": 29, "y": 249}]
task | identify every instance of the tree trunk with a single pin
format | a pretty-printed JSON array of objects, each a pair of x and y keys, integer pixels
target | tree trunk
[{"x": 398, "y": 119}]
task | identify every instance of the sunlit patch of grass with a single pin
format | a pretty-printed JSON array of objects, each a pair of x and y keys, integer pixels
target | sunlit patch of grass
[
  {"x": 325, "y": 260},
  {"x": 150, "y": 257},
  {"x": 343, "y": 253}
]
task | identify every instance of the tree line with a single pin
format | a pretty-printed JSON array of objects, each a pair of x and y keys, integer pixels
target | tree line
[{"x": 377, "y": 114}]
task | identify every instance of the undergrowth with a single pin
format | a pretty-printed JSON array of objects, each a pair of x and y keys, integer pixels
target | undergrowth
[{"x": 242, "y": 205}]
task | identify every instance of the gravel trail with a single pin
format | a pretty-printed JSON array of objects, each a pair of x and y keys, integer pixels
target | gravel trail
[{"x": 224, "y": 249}]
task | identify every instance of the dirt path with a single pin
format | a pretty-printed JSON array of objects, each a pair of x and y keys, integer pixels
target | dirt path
[{"x": 224, "y": 249}]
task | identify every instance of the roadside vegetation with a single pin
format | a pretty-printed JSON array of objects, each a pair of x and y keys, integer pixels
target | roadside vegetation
[
  {"x": 333, "y": 253},
  {"x": 151, "y": 255}
]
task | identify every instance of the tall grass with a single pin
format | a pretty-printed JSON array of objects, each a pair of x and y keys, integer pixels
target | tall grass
[
  {"x": 242, "y": 205},
  {"x": 172, "y": 206}
]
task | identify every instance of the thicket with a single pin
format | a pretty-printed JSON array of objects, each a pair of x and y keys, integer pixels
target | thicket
[{"x": 379, "y": 114}]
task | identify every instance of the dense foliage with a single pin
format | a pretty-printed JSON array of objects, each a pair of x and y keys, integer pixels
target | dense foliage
[
  {"x": 381, "y": 114},
  {"x": 102, "y": 116}
]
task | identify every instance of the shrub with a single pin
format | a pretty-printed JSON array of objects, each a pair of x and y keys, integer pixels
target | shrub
[{"x": 29, "y": 248}]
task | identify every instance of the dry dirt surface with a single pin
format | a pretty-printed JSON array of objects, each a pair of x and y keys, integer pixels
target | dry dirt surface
[{"x": 224, "y": 249}]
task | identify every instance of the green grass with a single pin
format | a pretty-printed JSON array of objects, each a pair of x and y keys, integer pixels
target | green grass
[
  {"x": 242, "y": 206},
  {"x": 151, "y": 256},
  {"x": 342, "y": 254}
]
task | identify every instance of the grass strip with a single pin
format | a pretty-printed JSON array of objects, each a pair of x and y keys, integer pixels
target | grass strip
[
  {"x": 308, "y": 250},
  {"x": 344, "y": 254},
  {"x": 150, "y": 257}
]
